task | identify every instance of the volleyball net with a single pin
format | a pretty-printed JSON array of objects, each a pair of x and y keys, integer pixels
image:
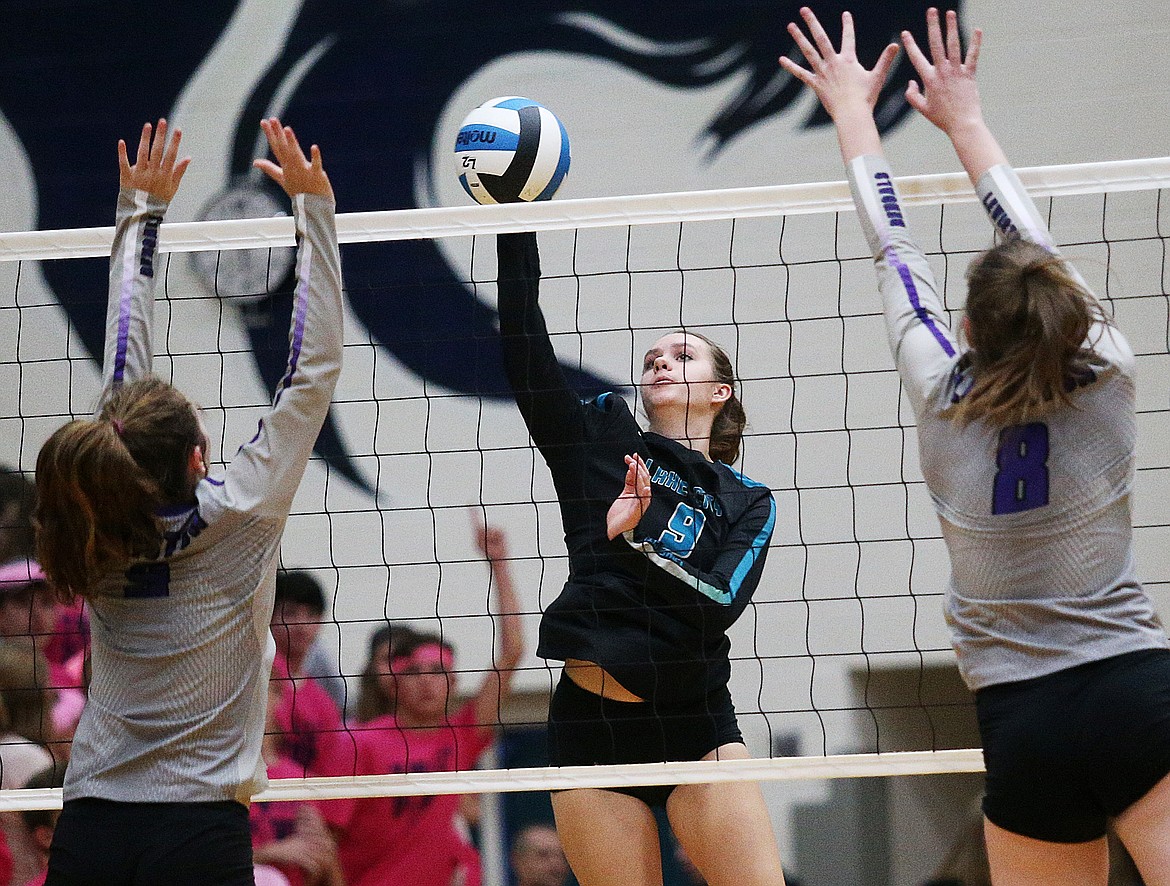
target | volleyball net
[{"x": 842, "y": 663}]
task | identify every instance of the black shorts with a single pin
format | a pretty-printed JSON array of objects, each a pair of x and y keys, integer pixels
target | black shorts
[
  {"x": 585, "y": 729},
  {"x": 104, "y": 843},
  {"x": 1067, "y": 751}
]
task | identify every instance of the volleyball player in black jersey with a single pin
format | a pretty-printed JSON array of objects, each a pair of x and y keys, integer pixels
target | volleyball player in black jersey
[{"x": 666, "y": 544}]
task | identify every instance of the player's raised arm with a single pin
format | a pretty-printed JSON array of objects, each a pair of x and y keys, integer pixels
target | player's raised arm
[
  {"x": 266, "y": 472},
  {"x": 948, "y": 95},
  {"x": 916, "y": 321},
  {"x": 949, "y": 98},
  {"x": 145, "y": 190}
]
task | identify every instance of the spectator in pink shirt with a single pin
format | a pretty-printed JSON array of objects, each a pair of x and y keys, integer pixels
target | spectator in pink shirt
[
  {"x": 306, "y": 718},
  {"x": 297, "y": 618},
  {"x": 290, "y": 836},
  {"x": 417, "y": 840},
  {"x": 30, "y": 617}
]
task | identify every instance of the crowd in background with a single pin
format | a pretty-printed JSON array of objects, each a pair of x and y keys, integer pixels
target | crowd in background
[
  {"x": 398, "y": 722},
  {"x": 404, "y": 718}
]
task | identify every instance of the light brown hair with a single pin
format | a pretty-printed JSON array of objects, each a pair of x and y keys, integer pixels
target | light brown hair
[
  {"x": 101, "y": 482},
  {"x": 727, "y": 429},
  {"x": 373, "y": 699},
  {"x": 1029, "y": 320}
]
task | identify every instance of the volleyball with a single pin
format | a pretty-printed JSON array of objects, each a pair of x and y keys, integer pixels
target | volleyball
[{"x": 511, "y": 150}]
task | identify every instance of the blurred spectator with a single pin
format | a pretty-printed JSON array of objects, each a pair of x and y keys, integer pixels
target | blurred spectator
[
  {"x": 290, "y": 836},
  {"x": 25, "y": 727},
  {"x": 7, "y": 863},
  {"x": 25, "y": 723},
  {"x": 306, "y": 718},
  {"x": 537, "y": 857},
  {"x": 28, "y": 605},
  {"x": 70, "y": 640},
  {"x": 296, "y": 626},
  {"x": 31, "y": 617},
  {"x": 39, "y": 824},
  {"x": 418, "y": 840},
  {"x": 965, "y": 863},
  {"x": 17, "y": 499},
  {"x": 377, "y": 695},
  {"x": 307, "y": 714}
]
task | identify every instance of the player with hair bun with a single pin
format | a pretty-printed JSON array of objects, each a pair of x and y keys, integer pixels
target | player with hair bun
[
  {"x": 177, "y": 567},
  {"x": 666, "y": 545},
  {"x": 1027, "y": 439}
]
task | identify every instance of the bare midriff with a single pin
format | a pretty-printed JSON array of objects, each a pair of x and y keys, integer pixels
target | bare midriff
[{"x": 594, "y": 678}]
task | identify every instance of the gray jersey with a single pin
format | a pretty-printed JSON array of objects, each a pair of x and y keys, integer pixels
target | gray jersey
[
  {"x": 181, "y": 645},
  {"x": 1036, "y": 517}
]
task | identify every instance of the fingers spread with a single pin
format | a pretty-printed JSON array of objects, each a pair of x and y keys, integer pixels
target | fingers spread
[
  {"x": 180, "y": 170},
  {"x": 291, "y": 138},
  {"x": 172, "y": 149},
  {"x": 848, "y": 40},
  {"x": 885, "y": 61},
  {"x": 824, "y": 44},
  {"x": 159, "y": 144},
  {"x": 143, "y": 145},
  {"x": 915, "y": 98},
  {"x": 973, "y": 50},
  {"x": 921, "y": 63},
  {"x": 806, "y": 48},
  {"x": 270, "y": 169},
  {"x": 954, "y": 49},
  {"x": 934, "y": 34},
  {"x": 796, "y": 71}
]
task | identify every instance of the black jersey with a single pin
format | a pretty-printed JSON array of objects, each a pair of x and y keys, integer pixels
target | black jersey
[{"x": 652, "y": 606}]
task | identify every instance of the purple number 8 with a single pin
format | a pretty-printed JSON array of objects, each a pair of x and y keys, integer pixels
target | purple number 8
[{"x": 1021, "y": 483}]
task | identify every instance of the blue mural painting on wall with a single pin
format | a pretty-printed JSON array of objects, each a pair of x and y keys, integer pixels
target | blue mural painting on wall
[{"x": 373, "y": 78}]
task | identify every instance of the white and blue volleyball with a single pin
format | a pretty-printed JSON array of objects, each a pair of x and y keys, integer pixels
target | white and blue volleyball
[{"x": 511, "y": 150}]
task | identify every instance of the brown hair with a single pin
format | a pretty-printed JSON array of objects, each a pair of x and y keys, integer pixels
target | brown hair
[
  {"x": 373, "y": 700},
  {"x": 1029, "y": 318},
  {"x": 727, "y": 429},
  {"x": 100, "y": 483}
]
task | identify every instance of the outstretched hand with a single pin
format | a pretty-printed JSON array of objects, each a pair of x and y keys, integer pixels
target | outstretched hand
[
  {"x": 293, "y": 171},
  {"x": 627, "y": 509},
  {"x": 156, "y": 168},
  {"x": 840, "y": 81},
  {"x": 948, "y": 96}
]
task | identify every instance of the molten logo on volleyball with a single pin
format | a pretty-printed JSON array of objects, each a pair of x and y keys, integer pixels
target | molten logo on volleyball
[{"x": 511, "y": 150}]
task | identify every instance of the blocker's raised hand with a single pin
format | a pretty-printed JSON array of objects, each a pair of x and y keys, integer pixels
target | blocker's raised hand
[
  {"x": 840, "y": 81},
  {"x": 156, "y": 168},
  {"x": 948, "y": 96},
  {"x": 293, "y": 171}
]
